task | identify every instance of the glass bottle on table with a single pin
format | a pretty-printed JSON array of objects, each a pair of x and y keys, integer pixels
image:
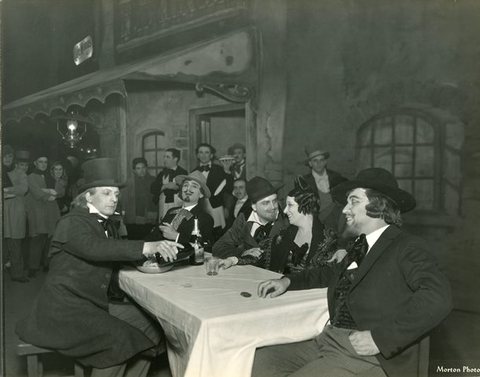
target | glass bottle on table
[{"x": 196, "y": 258}]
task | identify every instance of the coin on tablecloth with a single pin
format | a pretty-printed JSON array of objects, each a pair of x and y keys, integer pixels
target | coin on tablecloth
[{"x": 246, "y": 294}]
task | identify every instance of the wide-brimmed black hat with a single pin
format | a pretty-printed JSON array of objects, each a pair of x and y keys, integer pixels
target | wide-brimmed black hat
[
  {"x": 380, "y": 180},
  {"x": 259, "y": 188},
  {"x": 100, "y": 172}
]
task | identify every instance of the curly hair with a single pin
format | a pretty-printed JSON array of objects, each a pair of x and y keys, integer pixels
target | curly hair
[
  {"x": 306, "y": 198},
  {"x": 382, "y": 207}
]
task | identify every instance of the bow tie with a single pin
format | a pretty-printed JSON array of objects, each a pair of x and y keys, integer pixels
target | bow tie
[
  {"x": 262, "y": 231},
  {"x": 358, "y": 249},
  {"x": 107, "y": 224},
  {"x": 167, "y": 172},
  {"x": 204, "y": 168}
]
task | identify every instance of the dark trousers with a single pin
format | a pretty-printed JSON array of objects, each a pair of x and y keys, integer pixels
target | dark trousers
[
  {"x": 139, "y": 365},
  {"x": 36, "y": 251},
  {"x": 329, "y": 354},
  {"x": 14, "y": 247}
]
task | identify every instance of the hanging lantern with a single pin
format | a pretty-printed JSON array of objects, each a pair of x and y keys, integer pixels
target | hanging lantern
[{"x": 72, "y": 127}]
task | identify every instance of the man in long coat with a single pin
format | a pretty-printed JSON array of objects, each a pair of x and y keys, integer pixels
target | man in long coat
[
  {"x": 72, "y": 313},
  {"x": 384, "y": 298}
]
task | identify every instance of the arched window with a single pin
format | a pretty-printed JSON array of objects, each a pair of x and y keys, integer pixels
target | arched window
[
  {"x": 153, "y": 149},
  {"x": 408, "y": 144}
]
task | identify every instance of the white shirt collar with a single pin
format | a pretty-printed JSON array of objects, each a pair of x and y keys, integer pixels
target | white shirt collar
[
  {"x": 373, "y": 237},
  {"x": 189, "y": 208},
  {"x": 93, "y": 209}
]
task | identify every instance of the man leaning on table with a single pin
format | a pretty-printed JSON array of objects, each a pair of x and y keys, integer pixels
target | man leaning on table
[
  {"x": 384, "y": 298},
  {"x": 73, "y": 312},
  {"x": 265, "y": 221},
  {"x": 178, "y": 222}
]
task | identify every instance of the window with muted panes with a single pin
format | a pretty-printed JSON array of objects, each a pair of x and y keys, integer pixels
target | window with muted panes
[
  {"x": 153, "y": 149},
  {"x": 408, "y": 145}
]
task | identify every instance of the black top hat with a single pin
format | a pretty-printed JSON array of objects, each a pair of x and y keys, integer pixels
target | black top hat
[
  {"x": 100, "y": 172},
  {"x": 259, "y": 188},
  {"x": 380, "y": 180}
]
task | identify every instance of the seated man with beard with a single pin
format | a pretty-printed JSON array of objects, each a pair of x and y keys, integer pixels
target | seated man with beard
[{"x": 177, "y": 224}]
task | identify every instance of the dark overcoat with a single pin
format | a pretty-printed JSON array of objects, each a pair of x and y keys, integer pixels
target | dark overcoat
[
  {"x": 238, "y": 238},
  {"x": 205, "y": 224},
  {"x": 398, "y": 294},
  {"x": 70, "y": 314}
]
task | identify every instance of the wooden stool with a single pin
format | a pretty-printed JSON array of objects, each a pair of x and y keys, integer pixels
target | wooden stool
[{"x": 34, "y": 362}]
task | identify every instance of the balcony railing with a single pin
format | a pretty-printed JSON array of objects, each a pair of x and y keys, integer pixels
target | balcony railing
[{"x": 142, "y": 18}]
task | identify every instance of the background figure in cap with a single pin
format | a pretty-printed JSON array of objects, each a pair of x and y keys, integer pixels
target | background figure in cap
[
  {"x": 15, "y": 219},
  {"x": 78, "y": 312},
  {"x": 140, "y": 213},
  {"x": 42, "y": 212},
  {"x": 178, "y": 222},
  {"x": 265, "y": 221},
  {"x": 164, "y": 189},
  {"x": 238, "y": 169},
  {"x": 306, "y": 243},
  {"x": 323, "y": 180},
  {"x": 383, "y": 298}
]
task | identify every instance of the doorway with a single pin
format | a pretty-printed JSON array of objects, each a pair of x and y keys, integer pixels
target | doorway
[{"x": 222, "y": 126}]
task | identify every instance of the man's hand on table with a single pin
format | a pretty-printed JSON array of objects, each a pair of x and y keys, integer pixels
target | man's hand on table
[
  {"x": 363, "y": 343},
  {"x": 273, "y": 288},
  {"x": 255, "y": 252},
  {"x": 227, "y": 263},
  {"x": 167, "y": 249}
]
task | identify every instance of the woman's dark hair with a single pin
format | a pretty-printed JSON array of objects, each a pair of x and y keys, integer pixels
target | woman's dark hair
[
  {"x": 382, "y": 207},
  {"x": 306, "y": 198}
]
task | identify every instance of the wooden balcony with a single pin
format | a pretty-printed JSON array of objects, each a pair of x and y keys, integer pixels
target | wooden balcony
[{"x": 139, "y": 22}]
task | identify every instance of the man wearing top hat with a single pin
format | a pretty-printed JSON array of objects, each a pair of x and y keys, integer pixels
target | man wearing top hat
[
  {"x": 323, "y": 180},
  {"x": 383, "y": 298},
  {"x": 178, "y": 222},
  {"x": 73, "y": 313},
  {"x": 265, "y": 221}
]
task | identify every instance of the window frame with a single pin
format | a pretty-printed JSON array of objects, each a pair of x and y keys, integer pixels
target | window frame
[{"x": 438, "y": 204}]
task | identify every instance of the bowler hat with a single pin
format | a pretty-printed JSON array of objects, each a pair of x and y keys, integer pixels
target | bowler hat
[
  {"x": 259, "y": 188},
  {"x": 197, "y": 177},
  {"x": 100, "y": 172},
  {"x": 380, "y": 180},
  {"x": 312, "y": 153}
]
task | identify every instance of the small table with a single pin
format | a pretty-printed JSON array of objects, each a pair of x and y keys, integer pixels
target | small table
[{"x": 211, "y": 329}]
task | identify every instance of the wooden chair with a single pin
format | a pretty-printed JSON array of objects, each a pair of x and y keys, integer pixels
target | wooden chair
[{"x": 34, "y": 360}]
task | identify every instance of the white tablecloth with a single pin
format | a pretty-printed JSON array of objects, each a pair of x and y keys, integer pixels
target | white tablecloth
[{"x": 212, "y": 330}]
